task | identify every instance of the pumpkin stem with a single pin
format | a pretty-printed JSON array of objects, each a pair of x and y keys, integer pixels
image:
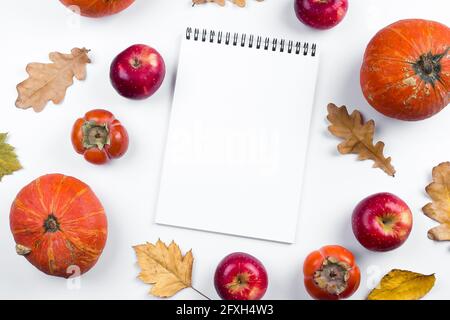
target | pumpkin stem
[
  {"x": 22, "y": 250},
  {"x": 51, "y": 224},
  {"x": 428, "y": 66}
]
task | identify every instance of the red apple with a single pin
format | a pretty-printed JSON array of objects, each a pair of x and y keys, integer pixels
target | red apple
[
  {"x": 321, "y": 14},
  {"x": 382, "y": 222},
  {"x": 240, "y": 276},
  {"x": 137, "y": 72}
]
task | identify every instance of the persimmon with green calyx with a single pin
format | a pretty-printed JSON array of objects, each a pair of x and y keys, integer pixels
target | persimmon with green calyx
[
  {"x": 331, "y": 273},
  {"x": 406, "y": 69},
  {"x": 59, "y": 225},
  {"x": 99, "y": 137},
  {"x": 97, "y": 8}
]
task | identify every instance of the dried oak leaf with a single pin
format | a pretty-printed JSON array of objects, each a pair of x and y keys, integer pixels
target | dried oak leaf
[
  {"x": 358, "y": 137},
  {"x": 239, "y": 3},
  {"x": 49, "y": 81},
  {"x": 402, "y": 285},
  {"x": 219, "y": 2},
  {"x": 439, "y": 208},
  {"x": 164, "y": 267},
  {"x": 8, "y": 159}
]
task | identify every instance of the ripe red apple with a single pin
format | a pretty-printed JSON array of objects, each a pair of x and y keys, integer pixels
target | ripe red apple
[
  {"x": 137, "y": 72},
  {"x": 321, "y": 14},
  {"x": 240, "y": 276},
  {"x": 382, "y": 222}
]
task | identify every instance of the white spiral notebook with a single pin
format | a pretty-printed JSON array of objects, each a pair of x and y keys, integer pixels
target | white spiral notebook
[{"x": 238, "y": 135}]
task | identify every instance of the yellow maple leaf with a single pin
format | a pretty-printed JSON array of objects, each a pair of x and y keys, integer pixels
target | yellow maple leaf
[
  {"x": 402, "y": 285},
  {"x": 439, "y": 208},
  {"x": 239, "y": 3},
  {"x": 164, "y": 267}
]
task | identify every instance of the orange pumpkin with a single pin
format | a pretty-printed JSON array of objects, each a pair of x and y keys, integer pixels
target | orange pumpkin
[
  {"x": 59, "y": 225},
  {"x": 98, "y": 8},
  {"x": 406, "y": 69}
]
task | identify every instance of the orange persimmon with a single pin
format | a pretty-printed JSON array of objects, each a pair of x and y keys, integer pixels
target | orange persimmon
[{"x": 331, "y": 273}]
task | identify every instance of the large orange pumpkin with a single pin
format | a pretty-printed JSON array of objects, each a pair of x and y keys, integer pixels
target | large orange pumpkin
[
  {"x": 406, "y": 69},
  {"x": 59, "y": 225},
  {"x": 98, "y": 8}
]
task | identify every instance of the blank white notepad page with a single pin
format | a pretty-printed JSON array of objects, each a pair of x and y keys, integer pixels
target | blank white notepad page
[{"x": 237, "y": 139}]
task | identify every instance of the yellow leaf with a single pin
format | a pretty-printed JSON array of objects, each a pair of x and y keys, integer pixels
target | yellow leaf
[
  {"x": 402, "y": 285},
  {"x": 49, "y": 81},
  {"x": 239, "y": 3},
  {"x": 358, "y": 137},
  {"x": 439, "y": 208},
  {"x": 164, "y": 267},
  {"x": 8, "y": 159}
]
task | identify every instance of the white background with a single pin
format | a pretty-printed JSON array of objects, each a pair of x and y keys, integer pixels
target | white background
[{"x": 332, "y": 186}]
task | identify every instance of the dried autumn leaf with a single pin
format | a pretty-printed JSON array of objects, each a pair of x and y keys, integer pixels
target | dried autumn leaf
[
  {"x": 164, "y": 267},
  {"x": 219, "y": 2},
  {"x": 49, "y": 81},
  {"x": 358, "y": 137},
  {"x": 239, "y": 3},
  {"x": 439, "y": 208},
  {"x": 8, "y": 159},
  {"x": 402, "y": 285}
]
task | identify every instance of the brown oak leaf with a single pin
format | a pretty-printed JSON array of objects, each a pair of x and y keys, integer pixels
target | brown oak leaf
[
  {"x": 219, "y": 2},
  {"x": 239, "y": 3},
  {"x": 358, "y": 137},
  {"x": 49, "y": 81},
  {"x": 439, "y": 208}
]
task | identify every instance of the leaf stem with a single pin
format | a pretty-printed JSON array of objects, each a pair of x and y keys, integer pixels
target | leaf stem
[{"x": 200, "y": 293}]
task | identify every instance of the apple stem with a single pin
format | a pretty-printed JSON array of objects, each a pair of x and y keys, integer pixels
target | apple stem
[{"x": 200, "y": 293}]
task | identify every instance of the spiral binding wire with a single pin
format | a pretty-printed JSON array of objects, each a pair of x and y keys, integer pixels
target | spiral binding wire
[{"x": 251, "y": 41}]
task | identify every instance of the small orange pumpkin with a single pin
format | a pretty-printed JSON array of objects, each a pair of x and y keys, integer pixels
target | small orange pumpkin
[
  {"x": 406, "y": 69},
  {"x": 98, "y": 8},
  {"x": 59, "y": 225}
]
